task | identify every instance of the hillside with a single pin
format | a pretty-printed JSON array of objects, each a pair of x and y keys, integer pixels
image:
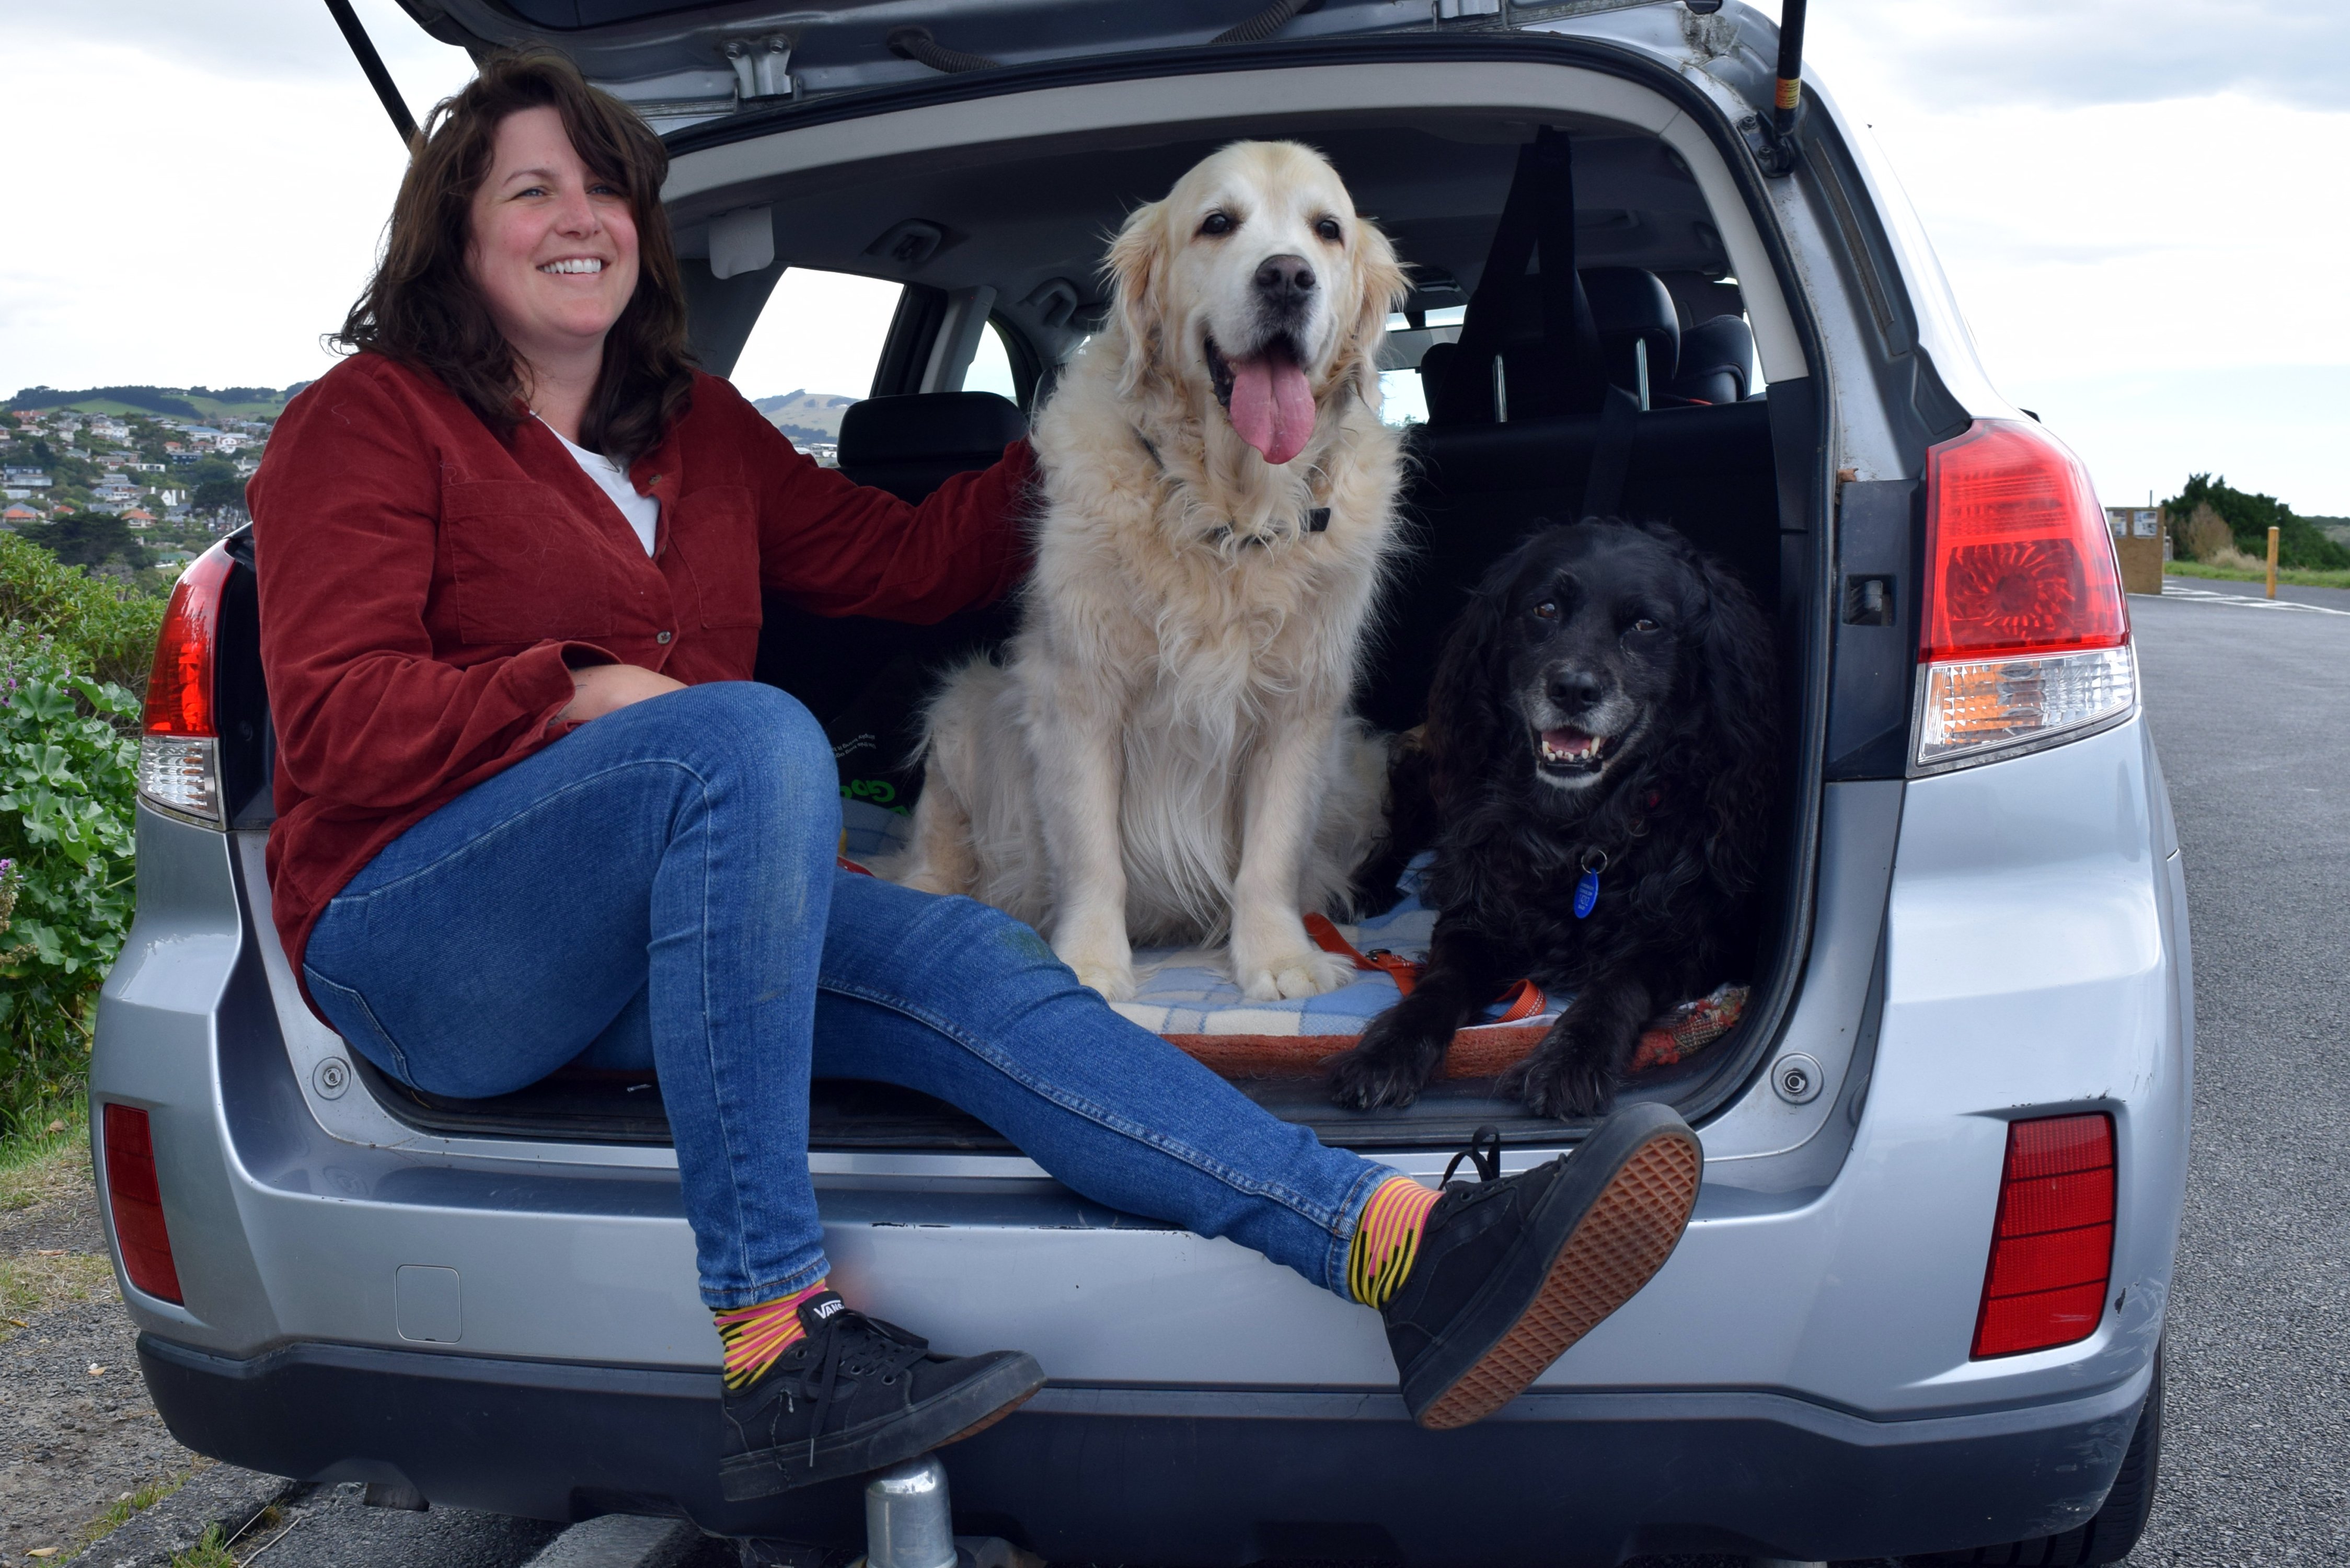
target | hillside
[
  {"x": 171, "y": 402},
  {"x": 805, "y": 416}
]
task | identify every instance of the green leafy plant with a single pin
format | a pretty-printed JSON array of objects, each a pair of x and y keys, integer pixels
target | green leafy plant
[
  {"x": 105, "y": 631},
  {"x": 67, "y": 777},
  {"x": 2249, "y": 517}
]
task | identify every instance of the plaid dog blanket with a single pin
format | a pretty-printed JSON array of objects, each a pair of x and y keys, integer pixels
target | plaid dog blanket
[{"x": 1187, "y": 995}]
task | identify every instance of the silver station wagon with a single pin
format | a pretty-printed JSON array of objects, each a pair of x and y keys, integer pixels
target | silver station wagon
[{"x": 1919, "y": 1308}]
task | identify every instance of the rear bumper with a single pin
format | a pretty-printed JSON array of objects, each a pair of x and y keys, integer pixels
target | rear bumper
[{"x": 1193, "y": 1476}]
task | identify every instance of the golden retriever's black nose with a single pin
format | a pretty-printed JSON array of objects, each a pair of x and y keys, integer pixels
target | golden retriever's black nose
[
  {"x": 1284, "y": 279},
  {"x": 1571, "y": 691}
]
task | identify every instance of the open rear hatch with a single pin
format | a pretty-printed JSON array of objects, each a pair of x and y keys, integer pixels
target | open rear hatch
[
  {"x": 684, "y": 63},
  {"x": 1019, "y": 217}
]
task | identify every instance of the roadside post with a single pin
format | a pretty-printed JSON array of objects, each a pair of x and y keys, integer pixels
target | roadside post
[{"x": 2273, "y": 534}]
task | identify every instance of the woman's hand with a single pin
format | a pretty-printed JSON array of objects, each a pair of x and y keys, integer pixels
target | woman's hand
[{"x": 600, "y": 688}]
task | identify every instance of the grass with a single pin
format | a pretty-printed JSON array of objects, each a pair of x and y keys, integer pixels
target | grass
[
  {"x": 145, "y": 1498},
  {"x": 50, "y": 1166},
  {"x": 211, "y": 1551},
  {"x": 2300, "y": 576},
  {"x": 38, "y": 1283},
  {"x": 46, "y": 1162}
]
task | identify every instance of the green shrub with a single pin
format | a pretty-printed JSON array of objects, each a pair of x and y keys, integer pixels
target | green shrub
[
  {"x": 2249, "y": 517},
  {"x": 99, "y": 628},
  {"x": 68, "y": 763}
]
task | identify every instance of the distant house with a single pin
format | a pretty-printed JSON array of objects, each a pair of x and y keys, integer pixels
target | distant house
[
  {"x": 139, "y": 517},
  {"x": 114, "y": 494},
  {"x": 109, "y": 429},
  {"x": 19, "y": 514}
]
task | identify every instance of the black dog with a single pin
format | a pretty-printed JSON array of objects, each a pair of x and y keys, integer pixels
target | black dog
[{"x": 1601, "y": 746}]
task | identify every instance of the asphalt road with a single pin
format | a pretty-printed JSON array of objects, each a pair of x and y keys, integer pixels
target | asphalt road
[
  {"x": 2250, "y": 710},
  {"x": 2251, "y": 707}
]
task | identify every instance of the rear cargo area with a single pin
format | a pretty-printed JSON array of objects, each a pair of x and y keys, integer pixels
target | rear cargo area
[{"x": 1009, "y": 239}]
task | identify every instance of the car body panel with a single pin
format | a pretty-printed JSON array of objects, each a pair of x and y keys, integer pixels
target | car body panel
[{"x": 2001, "y": 939}]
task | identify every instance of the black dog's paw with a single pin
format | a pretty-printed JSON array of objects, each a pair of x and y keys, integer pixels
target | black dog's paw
[
  {"x": 1390, "y": 1067},
  {"x": 1561, "y": 1084}
]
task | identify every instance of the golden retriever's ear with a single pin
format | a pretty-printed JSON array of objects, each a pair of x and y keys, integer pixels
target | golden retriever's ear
[
  {"x": 1380, "y": 287},
  {"x": 1137, "y": 271}
]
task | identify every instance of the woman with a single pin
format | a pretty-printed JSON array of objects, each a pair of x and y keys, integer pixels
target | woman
[{"x": 511, "y": 554}]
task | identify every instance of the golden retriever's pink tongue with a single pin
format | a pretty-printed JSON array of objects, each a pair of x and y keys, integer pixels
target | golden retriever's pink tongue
[{"x": 1271, "y": 406}]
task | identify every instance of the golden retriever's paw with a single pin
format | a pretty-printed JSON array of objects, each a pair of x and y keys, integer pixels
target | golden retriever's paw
[
  {"x": 1111, "y": 973},
  {"x": 1115, "y": 983},
  {"x": 1308, "y": 972}
]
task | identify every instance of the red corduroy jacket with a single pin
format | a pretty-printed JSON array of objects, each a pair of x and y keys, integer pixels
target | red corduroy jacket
[{"x": 425, "y": 588}]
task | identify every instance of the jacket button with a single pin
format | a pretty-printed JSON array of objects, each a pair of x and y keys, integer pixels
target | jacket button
[{"x": 660, "y": 636}]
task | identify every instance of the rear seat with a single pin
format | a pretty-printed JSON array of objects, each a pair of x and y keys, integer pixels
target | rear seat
[
  {"x": 907, "y": 446},
  {"x": 910, "y": 445}
]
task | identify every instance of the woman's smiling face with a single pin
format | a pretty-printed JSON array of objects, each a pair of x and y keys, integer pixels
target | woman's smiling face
[{"x": 554, "y": 247}]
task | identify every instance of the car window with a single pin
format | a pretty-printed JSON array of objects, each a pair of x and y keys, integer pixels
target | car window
[
  {"x": 990, "y": 366},
  {"x": 1403, "y": 397},
  {"x": 813, "y": 351}
]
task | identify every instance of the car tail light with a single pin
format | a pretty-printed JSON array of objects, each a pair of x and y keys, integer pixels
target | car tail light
[
  {"x": 2052, "y": 1252},
  {"x": 179, "y": 755},
  {"x": 2025, "y": 633},
  {"x": 137, "y": 1202}
]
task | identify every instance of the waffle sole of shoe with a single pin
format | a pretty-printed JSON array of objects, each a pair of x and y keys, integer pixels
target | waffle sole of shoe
[
  {"x": 965, "y": 1411},
  {"x": 1621, "y": 1242}
]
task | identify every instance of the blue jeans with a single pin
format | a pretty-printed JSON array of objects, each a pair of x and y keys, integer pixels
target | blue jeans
[{"x": 665, "y": 875}]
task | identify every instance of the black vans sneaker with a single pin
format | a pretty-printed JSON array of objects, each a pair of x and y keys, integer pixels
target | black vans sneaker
[
  {"x": 1512, "y": 1270},
  {"x": 856, "y": 1395}
]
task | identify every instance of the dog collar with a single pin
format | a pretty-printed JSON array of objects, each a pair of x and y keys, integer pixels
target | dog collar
[{"x": 1315, "y": 521}]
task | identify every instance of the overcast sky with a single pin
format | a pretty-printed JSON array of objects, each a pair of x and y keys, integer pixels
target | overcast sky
[{"x": 2127, "y": 195}]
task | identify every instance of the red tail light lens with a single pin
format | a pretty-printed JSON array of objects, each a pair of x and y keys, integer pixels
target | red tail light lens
[
  {"x": 2019, "y": 559},
  {"x": 2052, "y": 1252},
  {"x": 137, "y": 1202},
  {"x": 180, "y": 687},
  {"x": 2025, "y": 633},
  {"x": 179, "y": 764}
]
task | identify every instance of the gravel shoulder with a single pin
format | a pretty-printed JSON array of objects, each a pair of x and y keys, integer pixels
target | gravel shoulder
[{"x": 77, "y": 1433}]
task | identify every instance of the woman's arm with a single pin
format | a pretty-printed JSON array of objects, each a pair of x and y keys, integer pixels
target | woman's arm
[
  {"x": 839, "y": 548},
  {"x": 346, "y": 518}
]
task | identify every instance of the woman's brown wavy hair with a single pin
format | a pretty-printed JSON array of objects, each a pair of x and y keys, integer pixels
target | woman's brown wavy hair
[{"x": 421, "y": 307}]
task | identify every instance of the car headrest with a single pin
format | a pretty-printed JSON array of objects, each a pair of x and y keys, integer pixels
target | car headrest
[
  {"x": 928, "y": 427},
  {"x": 1436, "y": 362},
  {"x": 1630, "y": 303},
  {"x": 1717, "y": 360}
]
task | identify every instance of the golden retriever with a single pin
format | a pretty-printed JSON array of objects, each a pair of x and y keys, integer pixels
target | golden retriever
[{"x": 1165, "y": 752}]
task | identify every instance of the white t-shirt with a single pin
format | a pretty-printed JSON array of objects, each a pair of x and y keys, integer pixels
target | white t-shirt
[{"x": 641, "y": 511}]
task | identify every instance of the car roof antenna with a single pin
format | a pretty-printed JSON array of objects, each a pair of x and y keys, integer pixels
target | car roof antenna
[
  {"x": 378, "y": 78},
  {"x": 1772, "y": 142}
]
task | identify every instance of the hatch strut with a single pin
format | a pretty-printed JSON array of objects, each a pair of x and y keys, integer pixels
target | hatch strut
[
  {"x": 1773, "y": 141},
  {"x": 372, "y": 63}
]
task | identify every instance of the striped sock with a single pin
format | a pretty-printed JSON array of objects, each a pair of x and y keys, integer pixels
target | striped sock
[
  {"x": 1386, "y": 1238},
  {"x": 755, "y": 1336}
]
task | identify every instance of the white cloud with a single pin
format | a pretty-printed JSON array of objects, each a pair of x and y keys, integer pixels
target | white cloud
[
  {"x": 2126, "y": 193},
  {"x": 217, "y": 200}
]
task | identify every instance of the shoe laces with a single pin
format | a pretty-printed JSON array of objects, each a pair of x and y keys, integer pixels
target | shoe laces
[
  {"x": 1484, "y": 1152},
  {"x": 853, "y": 1346}
]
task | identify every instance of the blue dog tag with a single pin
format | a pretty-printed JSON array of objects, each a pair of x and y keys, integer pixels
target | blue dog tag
[{"x": 1586, "y": 891}]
